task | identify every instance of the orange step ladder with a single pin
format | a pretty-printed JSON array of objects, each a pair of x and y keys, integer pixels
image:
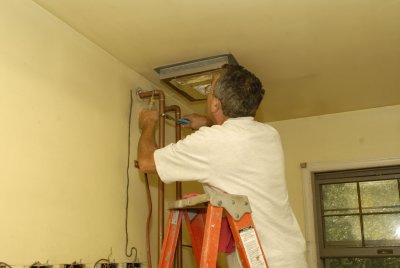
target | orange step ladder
[{"x": 204, "y": 229}]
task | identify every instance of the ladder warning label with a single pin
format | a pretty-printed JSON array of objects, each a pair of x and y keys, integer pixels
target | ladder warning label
[{"x": 252, "y": 248}]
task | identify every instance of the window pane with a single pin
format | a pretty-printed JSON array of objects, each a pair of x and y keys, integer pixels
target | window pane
[
  {"x": 342, "y": 231},
  {"x": 380, "y": 196},
  {"x": 339, "y": 198},
  {"x": 362, "y": 263},
  {"x": 382, "y": 229}
]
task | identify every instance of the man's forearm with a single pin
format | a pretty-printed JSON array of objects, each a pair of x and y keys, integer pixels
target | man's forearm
[
  {"x": 197, "y": 121},
  {"x": 146, "y": 149}
]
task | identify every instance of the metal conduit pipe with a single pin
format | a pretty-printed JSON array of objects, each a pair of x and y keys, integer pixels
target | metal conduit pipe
[
  {"x": 161, "y": 143},
  {"x": 178, "y": 189}
]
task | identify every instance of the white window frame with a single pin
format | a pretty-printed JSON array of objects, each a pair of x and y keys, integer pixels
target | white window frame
[{"x": 307, "y": 169}]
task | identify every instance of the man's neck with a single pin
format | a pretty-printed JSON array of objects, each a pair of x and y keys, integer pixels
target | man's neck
[{"x": 220, "y": 119}]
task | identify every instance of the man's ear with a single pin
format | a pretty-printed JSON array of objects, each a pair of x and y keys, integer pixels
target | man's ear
[{"x": 216, "y": 105}]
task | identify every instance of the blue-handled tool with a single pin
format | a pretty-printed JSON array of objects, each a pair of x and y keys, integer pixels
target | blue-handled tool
[{"x": 181, "y": 121}]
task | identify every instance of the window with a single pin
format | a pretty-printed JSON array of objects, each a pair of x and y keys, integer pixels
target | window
[{"x": 358, "y": 217}]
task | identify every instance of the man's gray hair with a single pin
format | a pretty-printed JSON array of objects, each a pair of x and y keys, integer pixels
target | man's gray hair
[{"x": 239, "y": 91}]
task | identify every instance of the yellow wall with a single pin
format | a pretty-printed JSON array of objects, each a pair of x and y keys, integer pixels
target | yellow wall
[
  {"x": 350, "y": 136},
  {"x": 64, "y": 106}
]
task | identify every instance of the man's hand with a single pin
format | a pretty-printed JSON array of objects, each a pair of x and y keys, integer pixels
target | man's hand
[
  {"x": 197, "y": 121},
  {"x": 148, "y": 118}
]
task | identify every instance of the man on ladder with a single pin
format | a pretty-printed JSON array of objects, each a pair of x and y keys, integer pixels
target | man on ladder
[{"x": 232, "y": 153}]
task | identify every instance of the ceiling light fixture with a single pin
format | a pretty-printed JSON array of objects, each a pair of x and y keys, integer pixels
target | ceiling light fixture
[{"x": 191, "y": 78}]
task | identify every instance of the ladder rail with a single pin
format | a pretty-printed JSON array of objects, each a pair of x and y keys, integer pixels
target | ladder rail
[
  {"x": 250, "y": 252},
  {"x": 171, "y": 238}
]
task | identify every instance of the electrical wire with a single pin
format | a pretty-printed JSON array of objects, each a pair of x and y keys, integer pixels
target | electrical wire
[
  {"x": 127, "y": 187},
  {"x": 97, "y": 262},
  {"x": 5, "y": 264}
]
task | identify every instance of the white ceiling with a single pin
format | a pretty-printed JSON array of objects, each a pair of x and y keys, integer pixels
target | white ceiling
[{"x": 314, "y": 57}]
